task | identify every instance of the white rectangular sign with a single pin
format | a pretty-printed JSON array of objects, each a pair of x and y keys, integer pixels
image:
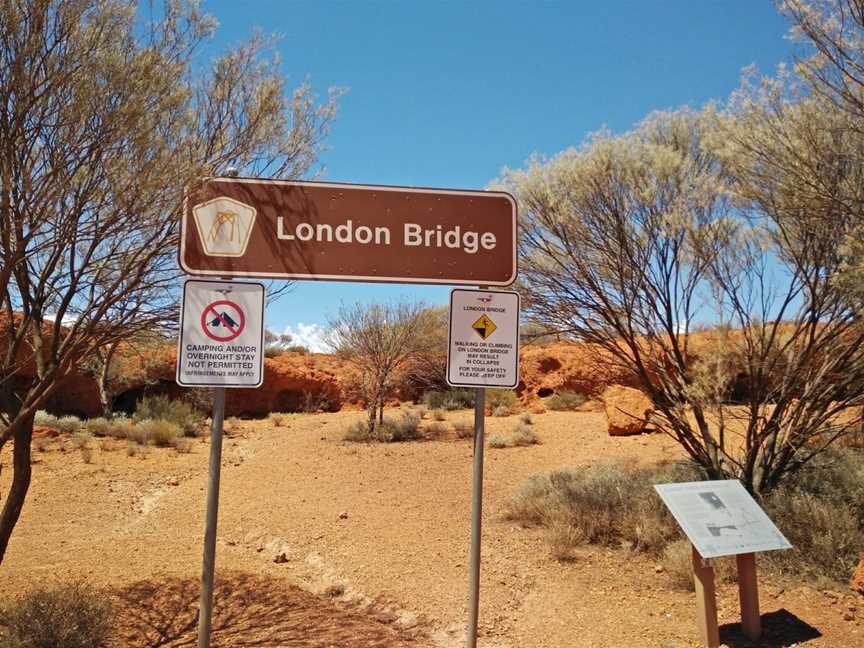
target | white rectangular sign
[
  {"x": 221, "y": 334},
  {"x": 721, "y": 518},
  {"x": 483, "y": 349}
]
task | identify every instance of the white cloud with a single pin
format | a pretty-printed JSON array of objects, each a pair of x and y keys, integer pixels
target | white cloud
[{"x": 309, "y": 335}]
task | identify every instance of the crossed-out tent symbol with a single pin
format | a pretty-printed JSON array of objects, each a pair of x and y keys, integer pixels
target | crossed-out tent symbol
[{"x": 222, "y": 320}]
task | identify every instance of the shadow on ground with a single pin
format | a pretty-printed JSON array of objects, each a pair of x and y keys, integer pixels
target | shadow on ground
[
  {"x": 249, "y": 611},
  {"x": 779, "y": 629}
]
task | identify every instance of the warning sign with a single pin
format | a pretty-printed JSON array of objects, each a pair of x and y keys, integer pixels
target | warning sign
[
  {"x": 221, "y": 334},
  {"x": 484, "y": 327},
  {"x": 484, "y": 339}
]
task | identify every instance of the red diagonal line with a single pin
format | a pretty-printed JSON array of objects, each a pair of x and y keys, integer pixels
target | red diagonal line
[{"x": 221, "y": 319}]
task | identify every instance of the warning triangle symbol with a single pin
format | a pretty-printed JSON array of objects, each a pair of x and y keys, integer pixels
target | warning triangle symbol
[{"x": 484, "y": 327}]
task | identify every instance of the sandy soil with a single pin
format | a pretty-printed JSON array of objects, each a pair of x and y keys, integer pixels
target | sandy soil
[{"x": 327, "y": 543}]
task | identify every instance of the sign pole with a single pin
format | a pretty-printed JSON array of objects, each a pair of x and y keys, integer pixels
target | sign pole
[
  {"x": 205, "y": 616},
  {"x": 476, "y": 516},
  {"x": 706, "y": 601}
]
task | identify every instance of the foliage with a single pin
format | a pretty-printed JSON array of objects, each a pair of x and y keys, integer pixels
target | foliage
[
  {"x": 564, "y": 400},
  {"x": 608, "y": 504},
  {"x": 501, "y": 410},
  {"x": 711, "y": 213},
  {"x": 111, "y": 112},
  {"x": 44, "y": 419},
  {"x": 438, "y": 415},
  {"x": 500, "y": 398},
  {"x": 162, "y": 407},
  {"x": 72, "y": 615},
  {"x": 449, "y": 399},
  {"x": 527, "y": 418},
  {"x": 464, "y": 429},
  {"x": 158, "y": 432},
  {"x": 818, "y": 509},
  {"x": 68, "y": 424},
  {"x": 380, "y": 340},
  {"x": 277, "y": 418},
  {"x": 275, "y": 344},
  {"x": 404, "y": 428},
  {"x": 521, "y": 436},
  {"x": 98, "y": 426}
]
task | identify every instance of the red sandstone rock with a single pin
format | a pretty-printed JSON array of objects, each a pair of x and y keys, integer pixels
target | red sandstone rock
[
  {"x": 857, "y": 580},
  {"x": 627, "y": 410}
]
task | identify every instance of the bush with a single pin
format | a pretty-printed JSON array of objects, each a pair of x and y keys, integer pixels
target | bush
[
  {"x": 273, "y": 351},
  {"x": 98, "y": 426},
  {"x": 677, "y": 563},
  {"x": 527, "y": 419},
  {"x": 67, "y": 616},
  {"x": 522, "y": 436},
  {"x": 181, "y": 413},
  {"x": 436, "y": 430},
  {"x": 497, "y": 441},
  {"x": 820, "y": 511},
  {"x": 297, "y": 348},
  {"x": 439, "y": 415},
  {"x": 44, "y": 419},
  {"x": 464, "y": 429},
  {"x": 500, "y": 398},
  {"x": 120, "y": 427},
  {"x": 607, "y": 504},
  {"x": 68, "y": 424},
  {"x": 277, "y": 418},
  {"x": 313, "y": 402},
  {"x": 565, "y": 400},
  {"x": 451, "y": 399},
  {"x": 406, "y": 428},
  {"x": 501, "y": 410},
  {"x": 359, "y": 432},
  {"x": 81, "y": 439},
  {"x": 183, "y": 445}
]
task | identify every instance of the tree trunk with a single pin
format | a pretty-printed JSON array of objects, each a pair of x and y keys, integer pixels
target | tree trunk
[{"x": 21, "y": 472}]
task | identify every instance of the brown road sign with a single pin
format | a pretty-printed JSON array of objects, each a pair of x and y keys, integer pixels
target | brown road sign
[{"x": 243, "y": 227}]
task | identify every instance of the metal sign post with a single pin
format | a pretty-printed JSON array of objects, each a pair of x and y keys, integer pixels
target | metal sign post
[
  {"x": 221, "y": 345},
  {"x": 476, "y": 516},
  {"x": 482, "y": 351},
  {"x": 205, "y": 614}
]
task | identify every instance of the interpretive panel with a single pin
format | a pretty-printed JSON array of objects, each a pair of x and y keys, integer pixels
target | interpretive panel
[{"x": 721, "y": 518}]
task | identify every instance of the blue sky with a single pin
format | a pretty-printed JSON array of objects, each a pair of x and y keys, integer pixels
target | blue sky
[{"x": 446, "y": 94}]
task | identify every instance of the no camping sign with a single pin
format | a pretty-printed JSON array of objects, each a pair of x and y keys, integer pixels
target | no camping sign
[{"x": 221, "y": 334}]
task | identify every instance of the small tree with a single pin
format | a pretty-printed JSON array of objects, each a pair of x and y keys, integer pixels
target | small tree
[
  {"x": 381, "y": 339},
  {"x": 105, "y": 115},
  {"x": 630, "y": 241}
]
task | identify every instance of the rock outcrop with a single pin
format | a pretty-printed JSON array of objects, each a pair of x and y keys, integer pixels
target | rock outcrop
[
  {"x": 627, "y": 410},
  {"x": 857, "y": 580}
]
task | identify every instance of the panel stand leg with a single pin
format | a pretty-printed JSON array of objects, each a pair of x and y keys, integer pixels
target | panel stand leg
[
  {"x": 706, "y": 601},
  {"x": 748, "y": 594}
]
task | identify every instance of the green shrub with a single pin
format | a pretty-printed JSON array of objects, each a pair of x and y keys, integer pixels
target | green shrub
[
  {"x": 297, "y": 348},
  {"x": 524, "y": 436},
  {"x": 405, "y": 428},
  {"x": 501, "y": 410},
  {"x": 820, "y": 511},
  {"x": 464, "y": 429},
  {"x": 181, "y": 413},
  {"x": 98, "y": 426},
  {"x": 607, "y": 504},
  {"x": 120, "y": 427},
  {"x": 565, "y": 400},
  {"x": 359, "y": 432},
  {"x": 436, "y": 430},
  {"x": 81, "y": 439},
  {"x": 68, "y": 424},
  {"x": 497, "y": 441},
  {"x": 161, "y": 433},
  {"x": 500, "y": 398},
  {"x": 183, "y": 445},
  {"x": 44, "y": 419},
  {"x": 313, "y": 402},
  {"x": 273, "y": 351},
  {"x": 451, "y": 399},
  {"x": 66, "y": 616}
]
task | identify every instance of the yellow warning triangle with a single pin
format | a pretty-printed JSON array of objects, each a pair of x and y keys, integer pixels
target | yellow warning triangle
[{"x": 484, "y": 327}]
